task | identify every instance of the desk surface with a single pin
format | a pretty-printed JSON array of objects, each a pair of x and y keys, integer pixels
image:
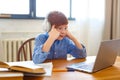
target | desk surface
[{"x": 60, "y": 73}]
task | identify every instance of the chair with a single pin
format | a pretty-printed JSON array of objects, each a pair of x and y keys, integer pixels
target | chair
[{"x": 25, "y": 51}]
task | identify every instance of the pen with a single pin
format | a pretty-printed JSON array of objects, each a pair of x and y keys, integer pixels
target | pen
[{"x": 63, "y": 70}]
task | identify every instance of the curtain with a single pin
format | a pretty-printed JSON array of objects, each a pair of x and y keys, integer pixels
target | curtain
[
  {"x": 115, "y": 26},
  {"x": 112, "y": 20},
  {"x": 89, "y": 24}
]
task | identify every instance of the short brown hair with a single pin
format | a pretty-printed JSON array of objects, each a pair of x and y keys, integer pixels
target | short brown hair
[{"x": 57, "y": 18}]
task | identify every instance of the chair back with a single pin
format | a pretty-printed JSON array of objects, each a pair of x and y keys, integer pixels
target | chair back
[{"x": 25, "y": 51}]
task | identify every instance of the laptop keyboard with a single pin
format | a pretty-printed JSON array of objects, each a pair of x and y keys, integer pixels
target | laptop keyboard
[{"x": 83, "y": 65}]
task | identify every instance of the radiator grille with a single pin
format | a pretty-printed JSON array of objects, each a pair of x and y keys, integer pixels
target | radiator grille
[{"x": 10, "y": 49}]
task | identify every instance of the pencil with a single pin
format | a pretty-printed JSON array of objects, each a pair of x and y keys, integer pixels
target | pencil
[
  {"x": 60, "y": 70},
  {"x": 63, "y": 70}
]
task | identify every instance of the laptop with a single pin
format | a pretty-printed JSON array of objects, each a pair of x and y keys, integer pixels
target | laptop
[{"x": 105, "y": 58}]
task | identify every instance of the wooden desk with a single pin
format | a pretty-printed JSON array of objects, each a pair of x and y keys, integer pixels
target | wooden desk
[{"x": 111, "y": 73}]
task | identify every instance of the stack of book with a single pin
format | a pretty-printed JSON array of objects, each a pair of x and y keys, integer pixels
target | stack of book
[
  {"x": 27, "y": 68},
  {"x": 8, "y": 75}
]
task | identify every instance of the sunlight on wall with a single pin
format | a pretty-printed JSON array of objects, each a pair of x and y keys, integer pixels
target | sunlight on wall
[{"x": 90, "y": 36}]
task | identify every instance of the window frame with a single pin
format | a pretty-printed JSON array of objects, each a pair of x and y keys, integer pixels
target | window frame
[{"x": 32, "y": 13}]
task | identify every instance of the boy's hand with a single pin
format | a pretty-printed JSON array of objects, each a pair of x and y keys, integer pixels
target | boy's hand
[
  {"x": 69, "y": 35},
  {"x": 54, "y": 33}
]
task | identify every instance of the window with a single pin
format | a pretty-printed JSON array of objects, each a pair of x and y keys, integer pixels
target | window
[
  {"x": 38, "y": 9},
  {"x": 14, "y": 8},
  {"x": 33, "y": 9},
  {"x": 45, "y": 6}
]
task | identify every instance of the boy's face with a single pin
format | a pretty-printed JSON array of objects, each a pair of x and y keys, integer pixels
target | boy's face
[{"x": 63, "y": 31}]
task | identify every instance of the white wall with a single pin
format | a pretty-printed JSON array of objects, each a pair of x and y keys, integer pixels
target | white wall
[{"x": 21, "y": 28}]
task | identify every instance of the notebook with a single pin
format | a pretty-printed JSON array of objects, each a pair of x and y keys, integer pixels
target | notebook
[{"x": 105, "y": 58}]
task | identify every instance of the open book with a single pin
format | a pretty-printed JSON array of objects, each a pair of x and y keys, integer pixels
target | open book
[
  {"x": 23, "y": 66},
  {"x": 47, "y": 67}
]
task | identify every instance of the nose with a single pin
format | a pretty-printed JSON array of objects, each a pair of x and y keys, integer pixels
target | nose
[{"x": 63, "y": 31}]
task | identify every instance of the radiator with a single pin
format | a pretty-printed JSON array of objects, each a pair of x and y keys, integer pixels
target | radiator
[{"x": 10, "y": 49}]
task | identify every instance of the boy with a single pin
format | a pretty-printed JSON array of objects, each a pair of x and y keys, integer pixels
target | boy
[{"x": 57, "y": 42}]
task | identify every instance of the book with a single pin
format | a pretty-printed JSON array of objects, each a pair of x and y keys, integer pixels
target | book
[
  {"x": 7, "y": 75},
  {"x": 23, "y": 66},
  {"x": 48, "y": 66}
]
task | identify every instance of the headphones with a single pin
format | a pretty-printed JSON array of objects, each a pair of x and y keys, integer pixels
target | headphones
[{"x": 46, "y": 25}]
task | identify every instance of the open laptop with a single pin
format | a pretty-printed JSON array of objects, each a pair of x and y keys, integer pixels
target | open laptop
[{"x": 105, "y": 58}]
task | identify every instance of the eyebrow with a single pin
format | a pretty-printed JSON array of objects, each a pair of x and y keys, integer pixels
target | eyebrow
[{"x": 61, "y": 26}]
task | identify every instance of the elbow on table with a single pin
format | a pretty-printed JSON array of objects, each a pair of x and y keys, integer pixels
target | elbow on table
[{"x": 36, "y": 61}]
